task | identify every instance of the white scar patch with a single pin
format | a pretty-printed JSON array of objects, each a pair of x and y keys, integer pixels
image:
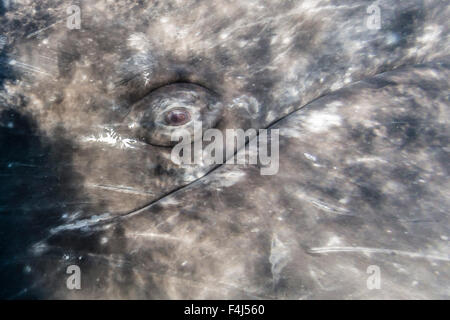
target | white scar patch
[
  {"x": 250, "y": 104},
  {"x": 139, "y": 42},
  {"x": 227, "y": 179},
  {"x": 279, "y": 257},
  {"x": 319, "y": 121},
  {"x": 110, "y": 137},
  {"x": 143, "y": 61}
]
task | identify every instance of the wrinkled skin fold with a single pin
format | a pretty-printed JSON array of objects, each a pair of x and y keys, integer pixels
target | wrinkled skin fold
[{"x": 87, "y": 177}]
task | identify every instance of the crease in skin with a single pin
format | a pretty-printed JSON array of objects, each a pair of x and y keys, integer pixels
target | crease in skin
[
  {"x": 324, "y": 250},
  {"x": 137, "y": 211}
]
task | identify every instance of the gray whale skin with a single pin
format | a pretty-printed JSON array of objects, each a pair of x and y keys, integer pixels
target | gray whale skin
[{"x": 362, "y": 189}]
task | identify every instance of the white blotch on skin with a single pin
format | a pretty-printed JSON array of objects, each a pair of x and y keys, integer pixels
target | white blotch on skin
[
  {"x": 310, "y": 157},
  {"x": 82, "y": 224},
  {"x": 279, "y": 257},
  {"x": 110, "y": 137},
  {"x": 39, "y": 248},
  {"x": 133, "y": 125},
  {"x": 227, "y": 179},
  {"x": 250, "y": 104},
  {"x": 334, "y": 240},
  {"x": 139, "y": 42},
  {"x": 432, "y": 34},
  {"x": 169, "y": 202},
  {"x": 270, "y": 116},
  {"x": 392, "y": 38},
  {"x": 319, "y": 121}
]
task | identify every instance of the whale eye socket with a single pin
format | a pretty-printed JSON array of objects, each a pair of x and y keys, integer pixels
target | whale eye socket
[
  {"x": 156, "y": 117},
  {"x": 177, "y": 117}
]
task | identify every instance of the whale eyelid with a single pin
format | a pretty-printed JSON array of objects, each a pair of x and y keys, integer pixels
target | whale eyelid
[
  {"x": 179, "y": 78},
  {"x": 124, "y": 81},
  {"x": 181, "y": 82}
]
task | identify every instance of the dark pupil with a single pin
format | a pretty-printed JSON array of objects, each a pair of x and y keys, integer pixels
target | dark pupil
[{"x": 177, "y": 117}]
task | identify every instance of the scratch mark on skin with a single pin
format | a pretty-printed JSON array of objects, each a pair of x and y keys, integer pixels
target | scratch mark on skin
[
  {"x": 18, "y": 164},
  {"x": 323, "y": 250},
  {"x": 43, "y": 29},
  {"x": 86, "y": 223},
  {"x": 324, "y": 206},
  {"x": 156, "y": 235},
  {"x": 48, "y": 58},
  {"x": 278, "y": 17},
  {"x": 330, "y": 208},
  {"x": 116, "y": 262},
  {"x": 124, "y": 189},
  {"x": 316, "y": 278},
  {"x": 22, "y": 65}
]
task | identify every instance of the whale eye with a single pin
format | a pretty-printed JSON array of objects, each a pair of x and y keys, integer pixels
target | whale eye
[
  {"x": 177, "y": 117},
  {"x": 176, "y": 106}
]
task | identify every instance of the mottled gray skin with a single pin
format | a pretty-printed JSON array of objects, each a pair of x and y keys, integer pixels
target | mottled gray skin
[{"x": 87, "y": 177}]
